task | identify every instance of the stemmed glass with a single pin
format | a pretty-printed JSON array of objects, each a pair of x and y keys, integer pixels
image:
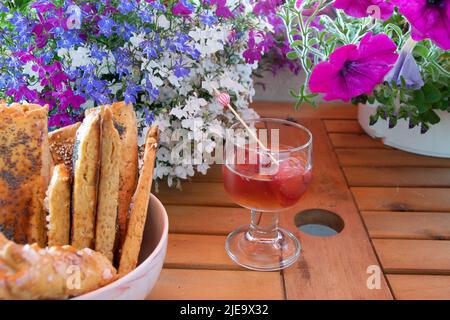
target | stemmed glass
[{"x": 266, "y": 177}]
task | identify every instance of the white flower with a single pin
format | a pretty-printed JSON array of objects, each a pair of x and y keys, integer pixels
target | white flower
[
  {"x": 80, "y": 57},
  {"x": 163, "y": 22},
  {"x": 195, "y": 105},
  {"x": 137, "y": 39},
  {"x": 178, "y": 112},
  {"x": 203, "y": 168},
  {"x": 210, "y": 85}
]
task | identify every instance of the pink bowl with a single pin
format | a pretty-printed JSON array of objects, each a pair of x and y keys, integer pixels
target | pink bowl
[{"x": 138, "y": 284}]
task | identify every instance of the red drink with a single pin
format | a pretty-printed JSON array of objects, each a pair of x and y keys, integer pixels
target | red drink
[
  {"x": 266, "y": 177},
  {"x": 250, "y": 186}
]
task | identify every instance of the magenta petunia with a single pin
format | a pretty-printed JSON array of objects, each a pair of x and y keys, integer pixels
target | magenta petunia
[
  {"x": 181, "y": 9},
  {"x": 429, "y": 19},
  {"x": 379, "y": 9},
  {"x": 354, "y": 69},
  {"x": 221, "y": 8},
  {"x": 60, "y": 120}
]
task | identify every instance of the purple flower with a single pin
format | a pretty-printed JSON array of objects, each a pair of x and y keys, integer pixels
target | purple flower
[
  {"x": 379, "y": 9},
  {"x": 429, "y": 19},
  {"x": 43, "y": 6},
  {"x": 68, "y": 99},
  {"x": 23, "y": 93},
  {"x": 256, "y": 49},
  {"x": 183, "y": 7},
  {"x": 354, "y": 69},
  {"x": 406, "y": 68},
  {"x": 60, "y": 120},
  {"x": 221, "y": 8}
]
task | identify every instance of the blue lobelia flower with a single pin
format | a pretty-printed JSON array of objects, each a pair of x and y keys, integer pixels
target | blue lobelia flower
[
  {"x": 151, "y": 91},
  {"x": 3, "y": 8},
  {"x": 68, "y": 39},
  {"x": 22, "y": 27},
  {"x": 127, "y": 30},
  {"x": 158, "y": 5},
  {"x": 93, "y": 87},
  {"x": 146, "y": 15},
  {"x": 150, "y": 48},
  {"x": 97, "y": 53},
  {"x": 124, "y": 61},
  {"x": 132, "y": 90},
  {"x": 106, "y": 25},
  {"x": 208, "y": 19},
  {"x": 149, "y": 116},
  {"x": 127, "y": 6},
  {"x": 406, "y": 68},
  {"x": 180, "y": 71}
]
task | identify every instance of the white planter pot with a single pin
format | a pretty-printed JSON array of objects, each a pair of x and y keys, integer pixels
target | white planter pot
[{"x": 436, "y": 142}]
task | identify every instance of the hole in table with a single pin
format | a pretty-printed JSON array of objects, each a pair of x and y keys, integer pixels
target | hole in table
[{"x": 319, "y": 222}]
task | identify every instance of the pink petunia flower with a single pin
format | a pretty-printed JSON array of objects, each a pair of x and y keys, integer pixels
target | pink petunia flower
[
  {"x": 354, "y": 69},
  {"x": 181, "y": 9},
  {"x": 428, "y": 18},
  {"x": 222, "y": 10},
  {"x": 379, "y": 9}
]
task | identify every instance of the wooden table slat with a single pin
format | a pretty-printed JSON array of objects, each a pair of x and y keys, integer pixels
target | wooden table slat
[
  {"x": 343, "y": 126},
  {"x": 198, "y": 252},
  {"x": 195, "y": 194},
  {"x": 420, "y": 287},
  {"x": 414, "y": 256},
  {"x": 408, "y": 225},
  {"x": 205, "y": 220},
  {"x": 387, "y": 158},
  {"x": 352, "y": 140},
  {"x": 397, "y": 177},
  {"x": 178, "y": 284},
  {"x": 402, "y": 199}
]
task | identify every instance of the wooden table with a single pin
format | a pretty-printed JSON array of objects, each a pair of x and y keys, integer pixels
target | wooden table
[{"x": 395, "y": 205}]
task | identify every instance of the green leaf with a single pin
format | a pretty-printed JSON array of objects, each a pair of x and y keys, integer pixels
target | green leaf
[
  {"x": 432, "y": 94},
  {"x": 431, "y": 117},
  {"x": 419, "y": 101},
  {"x": 294, "y": 94},
  {"x": 296, "y": 43},
  {"x": 292, "y": 55},
  {"x": 421, "y": 50},
  {"x": 373, "y": 119}
]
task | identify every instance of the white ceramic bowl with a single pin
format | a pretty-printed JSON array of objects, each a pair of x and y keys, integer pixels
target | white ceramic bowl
[{"x": 138, "y": 284}]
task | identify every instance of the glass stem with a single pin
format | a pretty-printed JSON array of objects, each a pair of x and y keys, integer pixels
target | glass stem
[{"x": 264, "y": 226}]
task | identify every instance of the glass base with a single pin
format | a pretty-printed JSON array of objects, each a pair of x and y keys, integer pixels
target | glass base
[{"x": 263, "y": 254}]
